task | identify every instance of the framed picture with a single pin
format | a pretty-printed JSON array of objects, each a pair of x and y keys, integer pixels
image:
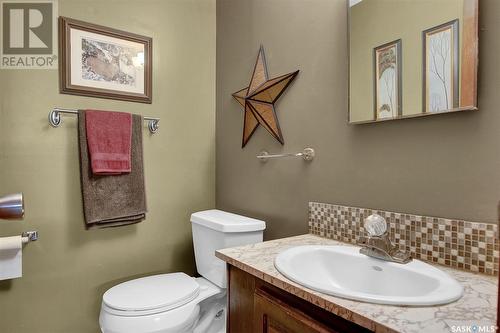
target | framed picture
[
  {"x": 387, "y": 62},
  {"x": 440, "y": 68},
  {"x": 102, "y": 62}
]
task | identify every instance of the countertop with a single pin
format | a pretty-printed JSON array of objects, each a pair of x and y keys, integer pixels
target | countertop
[{"x": 477, "y": 306}]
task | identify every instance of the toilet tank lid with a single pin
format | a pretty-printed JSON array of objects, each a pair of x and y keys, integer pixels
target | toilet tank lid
[{"x": 226, "y": 222}]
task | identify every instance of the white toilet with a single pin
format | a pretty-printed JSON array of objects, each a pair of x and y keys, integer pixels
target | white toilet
[{"x": 176, "y": 302}]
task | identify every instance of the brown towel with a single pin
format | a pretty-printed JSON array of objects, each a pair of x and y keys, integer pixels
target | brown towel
[{"x": 110, "y": 201}]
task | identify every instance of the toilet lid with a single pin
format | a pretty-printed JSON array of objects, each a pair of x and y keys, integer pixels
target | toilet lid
[{"x": 165, "y": 291}]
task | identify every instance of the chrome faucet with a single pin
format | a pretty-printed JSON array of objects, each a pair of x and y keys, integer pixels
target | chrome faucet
[{"x": 377, "y": 244}]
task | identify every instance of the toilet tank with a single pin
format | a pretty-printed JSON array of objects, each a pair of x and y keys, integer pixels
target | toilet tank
[{"x": 213, "y": 230}]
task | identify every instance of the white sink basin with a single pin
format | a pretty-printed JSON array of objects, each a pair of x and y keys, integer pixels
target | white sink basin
[{"x": 342, "y": 271}]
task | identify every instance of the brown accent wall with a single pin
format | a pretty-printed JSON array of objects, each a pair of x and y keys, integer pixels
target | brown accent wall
[
  {"x": 68, "y": 269},
  {"x": 446, "y": 165}
]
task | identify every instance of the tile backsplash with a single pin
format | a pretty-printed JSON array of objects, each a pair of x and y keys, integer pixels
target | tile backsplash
[{"x": 460, "y": 244}]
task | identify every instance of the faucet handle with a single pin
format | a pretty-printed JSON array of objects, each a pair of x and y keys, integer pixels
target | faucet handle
[{"x": 375, "y": 225}]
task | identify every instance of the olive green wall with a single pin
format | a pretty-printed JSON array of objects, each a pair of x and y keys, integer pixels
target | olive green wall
[
  {"x": 376, "y": 22},
  {"x": 68, "y": 268},
  {"x": 444, "y": 165}
]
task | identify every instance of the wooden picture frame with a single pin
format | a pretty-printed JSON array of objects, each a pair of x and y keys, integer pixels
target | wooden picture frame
[
  {"x": 102, "y": 62},
  {"x": 387, "y": 80},
  {"x": 440, "y": 69}
]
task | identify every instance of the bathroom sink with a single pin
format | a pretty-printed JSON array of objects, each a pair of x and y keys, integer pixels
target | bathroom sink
[{"x": 342, "y": 271}]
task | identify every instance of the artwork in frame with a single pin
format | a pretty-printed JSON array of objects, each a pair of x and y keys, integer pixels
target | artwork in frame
[
  {"x": 387, "y": 59},
  {"x": 103, "y": 62},
  {"x": 440, "y": 68}
]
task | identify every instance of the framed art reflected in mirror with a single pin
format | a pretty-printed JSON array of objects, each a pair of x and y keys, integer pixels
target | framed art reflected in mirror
[
  {"x": 387, "y": 61},
  {"x": 440, "y": 68},
  {"x": 411, "y": 58}
]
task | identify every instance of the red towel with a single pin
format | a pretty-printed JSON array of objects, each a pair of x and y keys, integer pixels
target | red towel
[{"x": 109, "y": 137}]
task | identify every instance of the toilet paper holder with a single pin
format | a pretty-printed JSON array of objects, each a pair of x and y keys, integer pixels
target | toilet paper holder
[{"x": 29, "y": 236}]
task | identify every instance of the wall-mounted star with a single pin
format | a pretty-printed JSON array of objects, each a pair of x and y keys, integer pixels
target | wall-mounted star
[{"x": 258, "y": 100}]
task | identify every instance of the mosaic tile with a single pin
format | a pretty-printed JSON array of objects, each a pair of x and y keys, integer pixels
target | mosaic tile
[{"x": 459, "y": 244}]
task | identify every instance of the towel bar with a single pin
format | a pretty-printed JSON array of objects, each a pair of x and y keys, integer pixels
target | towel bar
[
  {"x": 55, "y": 119},
  {"x": 307, "y": 155}
]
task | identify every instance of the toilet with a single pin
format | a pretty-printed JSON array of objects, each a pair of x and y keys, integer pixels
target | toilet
[{"x": 176, "y": 302}]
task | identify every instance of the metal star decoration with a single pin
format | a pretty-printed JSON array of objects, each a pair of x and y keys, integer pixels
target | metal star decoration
[{"x": 258, "y": 100}]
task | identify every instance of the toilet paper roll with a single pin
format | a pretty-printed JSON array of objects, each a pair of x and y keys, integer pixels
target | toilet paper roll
[
  {"x": 11, "y": 257},
  {"x": 11, "y": 243}
]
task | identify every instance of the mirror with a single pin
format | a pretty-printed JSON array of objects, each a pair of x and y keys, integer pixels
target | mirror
[{"x": 411, "y": 58}]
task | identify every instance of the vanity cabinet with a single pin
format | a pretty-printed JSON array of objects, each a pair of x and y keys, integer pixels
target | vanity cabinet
[
  {"x": 271, "y": 315},
  {"x": 255, "y": 306}
]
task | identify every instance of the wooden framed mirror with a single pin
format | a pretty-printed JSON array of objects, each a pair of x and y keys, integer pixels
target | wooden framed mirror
[{"x": 411, "y": 58}]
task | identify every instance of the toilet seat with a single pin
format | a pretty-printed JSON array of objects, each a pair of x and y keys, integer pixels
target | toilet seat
[
  {"x": 150, "y": 295},
  {"x": 179, "y": 319}
]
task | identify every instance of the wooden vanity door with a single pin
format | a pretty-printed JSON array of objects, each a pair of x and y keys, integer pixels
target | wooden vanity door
[{"x": 274, "y": 316}]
